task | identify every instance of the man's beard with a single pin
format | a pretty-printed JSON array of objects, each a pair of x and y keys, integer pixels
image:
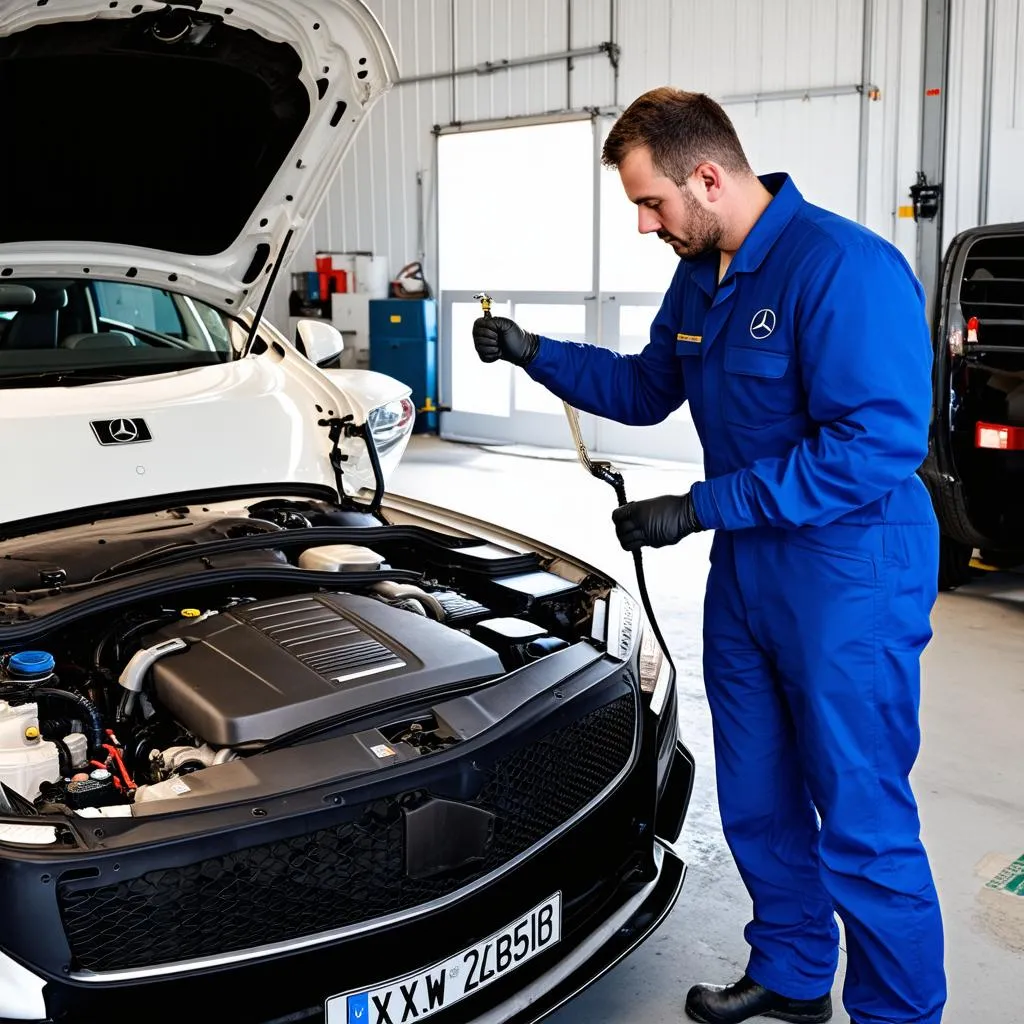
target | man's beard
[{"x": 704, "y": 234}]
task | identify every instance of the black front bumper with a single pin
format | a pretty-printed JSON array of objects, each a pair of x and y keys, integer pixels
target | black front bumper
[{"x": 616, "y": 879}]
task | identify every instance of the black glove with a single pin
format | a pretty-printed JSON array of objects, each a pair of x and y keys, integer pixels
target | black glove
[
  {"x": 497, "y": 337},
  {"x": 656, "y": 522}
]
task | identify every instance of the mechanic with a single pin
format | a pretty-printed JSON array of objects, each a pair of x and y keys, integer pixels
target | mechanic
[{"x": 800, "y": 341}]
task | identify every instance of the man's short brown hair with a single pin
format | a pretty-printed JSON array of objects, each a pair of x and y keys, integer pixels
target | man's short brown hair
[{"x": 682, "y": 131}]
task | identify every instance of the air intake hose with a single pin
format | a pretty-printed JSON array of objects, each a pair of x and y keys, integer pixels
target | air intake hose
[{"x": 90, "y": 714}]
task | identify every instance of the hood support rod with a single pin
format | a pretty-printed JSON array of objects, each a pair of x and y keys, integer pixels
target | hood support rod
[{"x": 264, "y": 298}]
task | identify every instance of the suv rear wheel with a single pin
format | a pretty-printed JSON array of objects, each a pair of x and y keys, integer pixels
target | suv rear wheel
[{"x": 954, "y": 563}]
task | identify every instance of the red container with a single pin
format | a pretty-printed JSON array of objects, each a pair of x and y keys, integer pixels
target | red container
[{"x": 324, "y": 267}]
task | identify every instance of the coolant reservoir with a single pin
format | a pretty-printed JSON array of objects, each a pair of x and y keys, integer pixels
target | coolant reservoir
[
  {"x": 26, "y": 760},
  {"x": 340, "y": 558}
]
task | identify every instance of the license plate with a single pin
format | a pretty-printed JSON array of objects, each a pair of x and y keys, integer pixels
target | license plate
[{"x": 435, "y": 988}]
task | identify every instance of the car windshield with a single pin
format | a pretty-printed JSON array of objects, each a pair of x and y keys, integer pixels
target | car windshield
[{"x": 90, "y": 329}]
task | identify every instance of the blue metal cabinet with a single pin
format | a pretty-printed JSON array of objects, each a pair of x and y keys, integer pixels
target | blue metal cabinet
[{"x": 403, "y": 344}]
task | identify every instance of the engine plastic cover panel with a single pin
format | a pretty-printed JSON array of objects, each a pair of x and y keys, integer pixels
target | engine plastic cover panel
[{"x": 266, "y": 669}]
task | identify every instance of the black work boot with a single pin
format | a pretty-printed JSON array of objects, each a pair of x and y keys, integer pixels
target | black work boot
[{"x": 713, "y": 1004}]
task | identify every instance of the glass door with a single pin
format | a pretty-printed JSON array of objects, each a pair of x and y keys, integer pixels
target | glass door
[
  {"x": 634, "y": 273},
  {"x": 516, "y": 215},
  {"x": 627, "y": 330},
  {"x": 529, "y": 215},
  {"x": 500, "y": 403}
]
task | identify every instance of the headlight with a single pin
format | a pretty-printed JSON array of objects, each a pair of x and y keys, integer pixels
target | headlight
[
  {"x": 21, "y": 991},
  {"x": 28, "y": 835},
  {"x": 391, "y": 423},
  {"x": 655, "y": 670},
  {"x": 618, "y": 621}
]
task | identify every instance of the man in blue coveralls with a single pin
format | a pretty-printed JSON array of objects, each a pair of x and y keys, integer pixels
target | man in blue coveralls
[{"x": 800, "y": 341}]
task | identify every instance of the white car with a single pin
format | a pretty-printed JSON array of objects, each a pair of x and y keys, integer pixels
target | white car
[{"x": 273, "y": 742}]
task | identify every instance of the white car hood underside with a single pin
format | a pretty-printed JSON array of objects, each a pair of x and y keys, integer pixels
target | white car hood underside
[{"x": 339, "y": 58}]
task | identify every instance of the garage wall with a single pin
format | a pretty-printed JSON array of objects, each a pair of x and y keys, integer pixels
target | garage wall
[
  {"x": 894, "y": 121},
  {"x": 1006, "y": 178},
  {"x": 986, "y": 65},
  {"x": 965, "y": 89},
  {"x": 383, "y": 198},
  {"x": 762, "y": 48}
]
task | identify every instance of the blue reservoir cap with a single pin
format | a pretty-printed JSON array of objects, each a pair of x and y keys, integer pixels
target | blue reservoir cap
[{"x": 32, "y": 663}]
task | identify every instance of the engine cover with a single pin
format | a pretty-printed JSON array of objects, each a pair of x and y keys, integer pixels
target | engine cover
[{"x": 266, "y": 669}]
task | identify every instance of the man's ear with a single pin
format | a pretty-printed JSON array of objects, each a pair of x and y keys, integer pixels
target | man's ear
[{"x": 708, "y": 179}]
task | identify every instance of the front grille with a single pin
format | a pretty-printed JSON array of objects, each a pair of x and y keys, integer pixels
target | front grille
[{"x": 343, "y": 875}]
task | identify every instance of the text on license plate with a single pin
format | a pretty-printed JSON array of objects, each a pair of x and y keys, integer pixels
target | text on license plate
[{"x": 435, "y": 988}]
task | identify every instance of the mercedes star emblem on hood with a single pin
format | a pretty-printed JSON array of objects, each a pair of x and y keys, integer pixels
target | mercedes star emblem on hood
[{"x": 122, "y": 431}]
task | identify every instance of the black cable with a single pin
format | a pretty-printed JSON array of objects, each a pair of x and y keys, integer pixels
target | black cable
[
  {"x": 645, "y": 599},
  {"x": 615, "y": 479}
]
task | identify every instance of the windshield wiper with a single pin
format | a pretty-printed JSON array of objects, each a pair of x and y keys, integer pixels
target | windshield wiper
[{"x": 71, "y": 374}]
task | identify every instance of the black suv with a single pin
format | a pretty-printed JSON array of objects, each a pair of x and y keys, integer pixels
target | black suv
[{"x": 975, "y": 465}]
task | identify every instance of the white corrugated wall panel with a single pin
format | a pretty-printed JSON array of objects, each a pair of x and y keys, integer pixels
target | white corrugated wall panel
[
  {"x": 964, "y": 205},
  {"x": 748, "y": 46},
  {"x": 374, "y": 203},
  {"x": 895, "y": 121},
  {"x": 1006, "y": 176},
  {"x": 754, "y": 48},
  {"x": 592, "y": 78},
  {"x": 965, "y": 91},
  {"x": 496, "y": 29},
  {"x": 644, "y": 31}
]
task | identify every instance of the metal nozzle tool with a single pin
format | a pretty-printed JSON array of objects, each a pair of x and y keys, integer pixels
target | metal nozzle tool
[
  {"x": 485, "y": 302},
  {"x": 601, "y": 470}
]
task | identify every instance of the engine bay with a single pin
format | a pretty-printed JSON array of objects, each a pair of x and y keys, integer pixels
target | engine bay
[
  {"x": 262, "y": 671},
  {"x": 138, "y": 652}
]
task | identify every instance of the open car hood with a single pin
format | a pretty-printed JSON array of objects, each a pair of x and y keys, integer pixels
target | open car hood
[{"x": 187, "y": 142}]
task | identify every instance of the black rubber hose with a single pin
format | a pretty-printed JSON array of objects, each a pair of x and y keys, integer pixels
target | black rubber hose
[
  {"x": 121, "y": 640},
  {"x": 645, "y": 599},
  {"x": 91, "y": 716},
  {"x": 63, "y": 757},
  {"x": 57, "y": 728},
  {"x": 616, "y": 481}
]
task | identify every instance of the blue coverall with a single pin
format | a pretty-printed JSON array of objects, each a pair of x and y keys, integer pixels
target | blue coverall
[{"x": 808, "y": 373}]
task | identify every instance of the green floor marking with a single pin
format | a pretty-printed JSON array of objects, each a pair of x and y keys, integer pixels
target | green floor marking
[{"x": 1010, "y": 879}]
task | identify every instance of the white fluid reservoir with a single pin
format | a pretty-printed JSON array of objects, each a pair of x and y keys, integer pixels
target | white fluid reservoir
[
  {"x": 26, "y": 760},
  {"x": 340, "y": 558}
]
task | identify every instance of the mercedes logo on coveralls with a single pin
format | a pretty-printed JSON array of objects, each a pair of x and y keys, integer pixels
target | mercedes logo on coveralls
[
  {"x": 763, "y": 324},
  {"x": 121, "y": 431}
]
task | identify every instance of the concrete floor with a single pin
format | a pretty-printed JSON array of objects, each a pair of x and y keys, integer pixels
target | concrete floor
[{"x": 969, "y": 779}]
